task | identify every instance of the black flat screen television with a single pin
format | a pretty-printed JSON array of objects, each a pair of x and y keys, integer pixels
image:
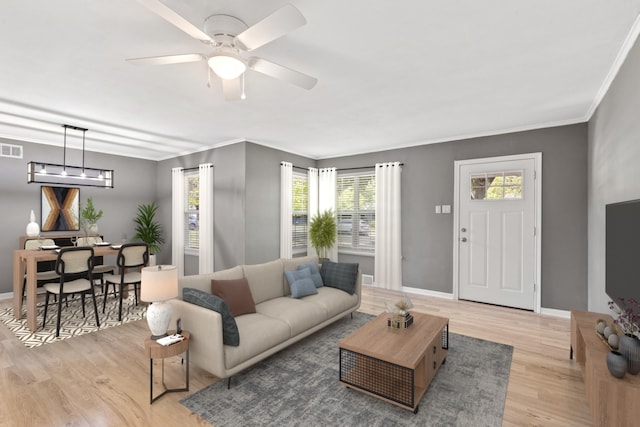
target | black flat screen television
[{"x": 622, "y": 268}]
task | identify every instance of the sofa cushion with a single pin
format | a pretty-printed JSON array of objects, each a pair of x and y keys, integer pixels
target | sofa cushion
[
  {"x": 298, "y": 314},
  {"x": 340, "y": 275},
  {"x": 300, "y": 283},
  {"x": 203, "y": 281},
  {"x": 315, "y": 272},
  {"x": 236, "y": 293},
  {"x": 230, "y": 334},
  {"x": 333, "y": 300},
  {"x": 259, "y": 334},
  {"x": 265, "y": 280}
]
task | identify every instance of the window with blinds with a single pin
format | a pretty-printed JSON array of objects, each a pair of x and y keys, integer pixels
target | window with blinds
[
  {"x": 300, "y": 214},
  {"x": 192, "y": 211},
  {"x": 356, "y": 211}
]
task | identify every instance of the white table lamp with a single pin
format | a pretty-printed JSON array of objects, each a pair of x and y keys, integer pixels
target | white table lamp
[{"x": 159, "y": 284}]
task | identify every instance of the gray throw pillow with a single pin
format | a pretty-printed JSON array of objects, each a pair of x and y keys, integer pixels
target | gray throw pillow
[
  {"x": 315, "y": 273},
  {"x": 230, "y": 333},
  {"x": 300, "y": 283},
  {"x": 340, "y": 275}
]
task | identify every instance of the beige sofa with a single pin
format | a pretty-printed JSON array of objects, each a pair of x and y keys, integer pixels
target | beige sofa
[{"x": 279, "y": 321}]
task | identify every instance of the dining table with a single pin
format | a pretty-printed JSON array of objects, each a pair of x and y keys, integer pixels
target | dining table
[{"x": 25, "y": 261}]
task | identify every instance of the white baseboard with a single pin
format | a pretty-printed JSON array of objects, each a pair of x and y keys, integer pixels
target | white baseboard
[
  {"x": 557, "y": 313},
  {"x": 444, "y": 295},
  {"x": 428, "y": 293},
  {"x": 6, "y": 295}
]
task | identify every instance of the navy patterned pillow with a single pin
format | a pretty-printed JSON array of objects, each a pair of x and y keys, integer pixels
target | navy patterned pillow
[
  {"x": 230, "y": 333},
  {"x": 340, "y": 275}
]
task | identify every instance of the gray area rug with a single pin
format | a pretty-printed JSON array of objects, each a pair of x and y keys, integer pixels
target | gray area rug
[{"x": 299, "y": 387}]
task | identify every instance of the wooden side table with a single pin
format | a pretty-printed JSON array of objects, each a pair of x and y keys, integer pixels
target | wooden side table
[{"x": 153, "y": 350}]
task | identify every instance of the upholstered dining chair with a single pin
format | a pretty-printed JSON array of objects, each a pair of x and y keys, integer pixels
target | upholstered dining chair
[
  {"x": 44, "y": 276},
  {"x": 74, "y": 266},
  {"x": 131, "y": 258},
  {"x": 99, "y": 270}
]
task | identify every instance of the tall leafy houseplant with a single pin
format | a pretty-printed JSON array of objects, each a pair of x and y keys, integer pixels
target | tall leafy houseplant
[
  {"x": 322, "y": 232},
  {"x": 89, "y": 217},
  {"x": 147, "y": 229}
]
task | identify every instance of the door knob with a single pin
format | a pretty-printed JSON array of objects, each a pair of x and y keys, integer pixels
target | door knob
[
  {"x": 463, "y": 230},
  {"x": 464, "y": 239}
]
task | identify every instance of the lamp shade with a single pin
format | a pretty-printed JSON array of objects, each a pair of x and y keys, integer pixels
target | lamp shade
[
  {"x": 227, "y": 65},
  {"x": 159, "y": 283}
]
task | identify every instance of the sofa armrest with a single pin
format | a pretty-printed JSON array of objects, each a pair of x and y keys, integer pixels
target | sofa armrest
[{"x": 206, "y": 348}]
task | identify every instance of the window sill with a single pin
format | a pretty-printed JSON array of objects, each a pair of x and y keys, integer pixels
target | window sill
[{"x": 355, "y": 252}]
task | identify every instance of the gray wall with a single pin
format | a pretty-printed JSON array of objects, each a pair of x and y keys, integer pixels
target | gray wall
[
  {"x": 246, "y": 202},
  {"x": 614, "y": 165},
  {"x": 428, "y": 180},
  {"x": 134, "y": 179}
]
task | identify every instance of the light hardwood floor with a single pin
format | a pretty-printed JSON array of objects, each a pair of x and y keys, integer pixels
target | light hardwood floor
[{"x": 102, "y": 379}]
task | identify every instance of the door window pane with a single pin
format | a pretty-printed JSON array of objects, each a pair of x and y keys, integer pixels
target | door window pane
[{"x": 496, "y": 186}]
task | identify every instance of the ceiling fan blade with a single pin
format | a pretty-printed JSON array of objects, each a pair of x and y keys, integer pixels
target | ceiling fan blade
[
  {"x": 169, "y": 59},
  {"x": 232, "y": 89},
  {"x": 282, "y": 73},
  {"x": 279, "y": 23},
  {"x": 173, "y": 18}
]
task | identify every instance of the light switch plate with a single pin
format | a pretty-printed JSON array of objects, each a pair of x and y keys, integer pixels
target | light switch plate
[
  {"x": 446, "y": 208},
  {"x": 438, "y": 209}
]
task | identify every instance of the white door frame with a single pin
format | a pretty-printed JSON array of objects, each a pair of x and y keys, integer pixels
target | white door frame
[{"x": 537, "y": 157}]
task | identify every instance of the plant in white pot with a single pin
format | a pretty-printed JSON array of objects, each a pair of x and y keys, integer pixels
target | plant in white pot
[
  {"x": 89, "y": 217},
  {"x": 322, "y": 233},
  {"x": 148, "y": 229}
]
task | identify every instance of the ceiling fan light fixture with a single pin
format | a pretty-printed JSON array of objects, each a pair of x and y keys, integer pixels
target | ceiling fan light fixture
[{"x": 227, "y": 65}]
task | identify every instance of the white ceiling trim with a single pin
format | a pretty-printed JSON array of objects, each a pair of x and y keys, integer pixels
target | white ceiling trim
[
  {"x": 462, "y": 137},
  {"x": 615, "y": 67}
]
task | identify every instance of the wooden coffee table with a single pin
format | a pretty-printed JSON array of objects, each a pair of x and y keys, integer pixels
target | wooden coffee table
[{"x": 395, "y": 365}]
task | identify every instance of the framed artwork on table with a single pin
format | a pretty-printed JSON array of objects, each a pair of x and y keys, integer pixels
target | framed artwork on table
[{"x": 60, "y": 208}]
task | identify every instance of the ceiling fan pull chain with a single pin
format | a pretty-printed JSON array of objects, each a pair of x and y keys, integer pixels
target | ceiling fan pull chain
[{"x": 209, "y": 77}]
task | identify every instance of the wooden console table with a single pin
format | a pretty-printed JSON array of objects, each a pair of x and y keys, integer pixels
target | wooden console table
[{"x": 613, "y": 401}]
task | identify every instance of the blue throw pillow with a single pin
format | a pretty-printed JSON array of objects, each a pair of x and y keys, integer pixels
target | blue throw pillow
[
  {"x": 315, "y": 273},
  {"x": 230, "y": 333},
  {"x": 340, "y": 275},
  {"x": 300, "y": 283}
]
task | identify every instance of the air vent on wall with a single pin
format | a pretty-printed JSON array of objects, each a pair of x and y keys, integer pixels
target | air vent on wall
[
  {"x": 367, "y": 279},
  {"x": 10, "y": 150}
]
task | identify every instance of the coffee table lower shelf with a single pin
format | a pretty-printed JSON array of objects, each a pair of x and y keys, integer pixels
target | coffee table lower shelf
[{"x": 378, "y": 378}]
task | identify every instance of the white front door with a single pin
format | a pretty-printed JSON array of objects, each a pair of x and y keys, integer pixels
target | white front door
[{"x": 496, "y": 236}]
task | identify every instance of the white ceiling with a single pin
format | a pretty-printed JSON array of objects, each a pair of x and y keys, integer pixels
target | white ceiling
[{"x": 391, "y": 73}]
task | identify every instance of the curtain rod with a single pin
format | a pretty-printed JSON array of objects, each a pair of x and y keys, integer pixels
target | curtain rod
[
  {"x": 342, "y": 169},
  {"x": 195, "y": 168}
]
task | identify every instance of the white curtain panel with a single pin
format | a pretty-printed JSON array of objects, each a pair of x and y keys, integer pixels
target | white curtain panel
[
  {"x": 177, "y": 219},
  {"x": 286, "y": 209},
  {"x": 388, "y": 253},
  {"x": 205, "y": 223},
  {"x": 327, "y": 182},
  {"x": 312, "y": 177}
]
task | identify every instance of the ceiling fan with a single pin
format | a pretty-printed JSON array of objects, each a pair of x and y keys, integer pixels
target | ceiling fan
[{"x": 230, "y": 37}]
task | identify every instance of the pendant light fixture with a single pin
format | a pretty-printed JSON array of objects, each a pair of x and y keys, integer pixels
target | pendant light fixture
[{"x": 51, "y": 173}]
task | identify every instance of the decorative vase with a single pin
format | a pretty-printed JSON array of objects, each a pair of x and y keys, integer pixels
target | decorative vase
[
  {"x": 629, "y": 347},
  {"x": 613, "y": 341},
  {"x": 616, "y": 363},
  {"x": 33, "y": 229}
]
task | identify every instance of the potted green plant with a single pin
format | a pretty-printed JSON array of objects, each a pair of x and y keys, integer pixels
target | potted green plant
[
  {"x": 322, "y": 232},
  {"x": 89, "y": 217},
  {"x": 147, "y": 229}
]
